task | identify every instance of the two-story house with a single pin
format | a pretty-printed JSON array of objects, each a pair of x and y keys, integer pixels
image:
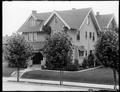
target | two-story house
[{"x": 82, "y": 25}]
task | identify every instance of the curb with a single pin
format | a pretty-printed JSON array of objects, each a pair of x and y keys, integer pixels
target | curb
[{"x": 73, "y": 84}]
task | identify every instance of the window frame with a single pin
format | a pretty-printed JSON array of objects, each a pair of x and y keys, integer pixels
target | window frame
[
  {"x": 78, "y": 36},
  {"x": 90, "y": 35},
  {"x": 86, "y": 34},
  {"x": 93, "y": 36}
]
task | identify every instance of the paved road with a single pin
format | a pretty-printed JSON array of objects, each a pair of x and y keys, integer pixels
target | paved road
[{"x": 14, "y": 86}]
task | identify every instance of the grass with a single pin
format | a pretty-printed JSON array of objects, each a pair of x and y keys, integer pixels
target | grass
[
  {"x": 6, "y": 71},
  {"x": 99, "y": 76}
]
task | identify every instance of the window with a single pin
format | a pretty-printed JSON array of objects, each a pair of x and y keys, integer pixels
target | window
[
  {"x": 88, "y": 20},
  {"x": 86, "y": 53},
  {"x": 81, "y": 53},
  {"x": 90, "y": 35},
  {"x": 78, "y": 35},
  {"x": 93, "y": 36},
  {"x": 30, "y": 37},
  {"x": 86, "y": 34},
  {"x": 35, "y": 36},
  {"x": 90, "y": 51}
]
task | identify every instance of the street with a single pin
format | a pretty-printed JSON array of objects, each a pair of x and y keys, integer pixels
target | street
[{"x": 22, "y": 86}]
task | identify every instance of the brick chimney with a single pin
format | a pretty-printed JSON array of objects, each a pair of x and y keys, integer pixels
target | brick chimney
[
  {"x": 97, "y": 13},
  {"x": 34, "y": 11}
]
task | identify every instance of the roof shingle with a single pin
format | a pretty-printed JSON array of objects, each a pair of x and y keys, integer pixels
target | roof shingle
[
  {"x": 103, "y": 20},
  {"x": 75, "y": 17}
]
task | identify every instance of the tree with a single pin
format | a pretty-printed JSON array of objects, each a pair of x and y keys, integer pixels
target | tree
[
  {"x": 58, "y": 51},
  {"x": 107, "y": 51},
  {"x": 17, "y": 51},
  {"x": 46, "y": 29}
]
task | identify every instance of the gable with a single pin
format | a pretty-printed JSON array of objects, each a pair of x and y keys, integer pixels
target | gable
[
  {"x": 56, "y": 24},
  {"x": 30, "y": 25},
  {"x": 104, "y": 20},
  {"x": 71, "y": 18}
]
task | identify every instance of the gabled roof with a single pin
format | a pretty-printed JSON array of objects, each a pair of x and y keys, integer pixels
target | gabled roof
[
  {"x": 26, "y": 27},
  {"x": 74, "y": 17},
  {"x": 103, "y": 20},
  {"x": 42, "y": 16}
]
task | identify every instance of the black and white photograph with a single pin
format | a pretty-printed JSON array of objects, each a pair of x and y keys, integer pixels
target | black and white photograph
[{"x": 60, "y": 46}]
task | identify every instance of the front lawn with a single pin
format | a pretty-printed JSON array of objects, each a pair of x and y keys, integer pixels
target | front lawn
[
  {"x": 99, "y": 76},
  {"x": 6, "y": 71}
]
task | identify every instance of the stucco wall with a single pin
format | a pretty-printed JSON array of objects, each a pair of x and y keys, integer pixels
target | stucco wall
[
  {"x": 38, "y": 36},
  {"x": 86, "y": 42},
  {"x": 56, "y": 24}
]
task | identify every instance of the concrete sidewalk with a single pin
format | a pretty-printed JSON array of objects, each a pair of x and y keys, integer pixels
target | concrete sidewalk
[{"x": 65, "y": 83}]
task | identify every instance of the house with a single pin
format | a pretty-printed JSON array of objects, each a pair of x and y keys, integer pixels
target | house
[
  {"x": 106, "y": 21},
  {"x": 82, "y": 24}
]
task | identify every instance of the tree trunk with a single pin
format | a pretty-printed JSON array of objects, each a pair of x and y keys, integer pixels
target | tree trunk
[
  {"x": 115, "y": 79},
  {"x": 17, "y": 74},
  {"x": 17, "y": 71},
  {"x": 60, "y": 77}
]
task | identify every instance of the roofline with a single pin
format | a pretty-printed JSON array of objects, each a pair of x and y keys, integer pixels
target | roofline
[
  {"x": 26, "y": 20},
  {"x": 110, "y": 22},
  {"x": 54, "y": 12},
  {"x": 87, "y": 16},
  {"x": 84, "y": 19},
  {"x": 96, "y": 20}
]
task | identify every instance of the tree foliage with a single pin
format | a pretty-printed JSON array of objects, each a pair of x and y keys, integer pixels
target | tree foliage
[
  {"x": 58, "y": 51},
  {"x": 107, "y": 49},
  {"x": 17, "y": 51},
  {"x": 47, "y": 29}
]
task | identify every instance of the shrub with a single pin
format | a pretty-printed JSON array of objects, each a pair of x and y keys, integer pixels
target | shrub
[
  {"x": 76, "y": 62},
  {"x": 85, "y": 63}
]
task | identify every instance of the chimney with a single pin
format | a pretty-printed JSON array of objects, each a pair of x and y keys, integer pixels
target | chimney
[
  {"x": 97, "y": 13},
  {"x": 34, "y": 11}
]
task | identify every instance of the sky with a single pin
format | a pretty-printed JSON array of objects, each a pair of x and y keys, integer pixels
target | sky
[{"x": 15, "y": 13}]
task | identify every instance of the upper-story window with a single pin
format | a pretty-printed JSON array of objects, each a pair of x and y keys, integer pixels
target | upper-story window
[
  {"x": 88, "y": 20},
  {"x": 90, "y": 35},
  {"x": 30, "y": 36},
  {"x": 86, "y": 34},
  {"x": 35, "y": 36},
  {"x": 78, "y": 35},
  {"x": 93, "y": 36}
]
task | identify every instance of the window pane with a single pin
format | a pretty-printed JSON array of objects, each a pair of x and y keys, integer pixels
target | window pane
[
  {"x": 86, "y": 34},
  {"x": 90, "y": 34},
  {"x": 78, "y": 35},
  {"x": 93, "y": 36},
  {"x": 35, "y": 36},
  {"x": 30, "y": 36}
]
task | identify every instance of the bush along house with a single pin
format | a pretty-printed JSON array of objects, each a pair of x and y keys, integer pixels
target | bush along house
[{"x": 82, "y": 26}]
